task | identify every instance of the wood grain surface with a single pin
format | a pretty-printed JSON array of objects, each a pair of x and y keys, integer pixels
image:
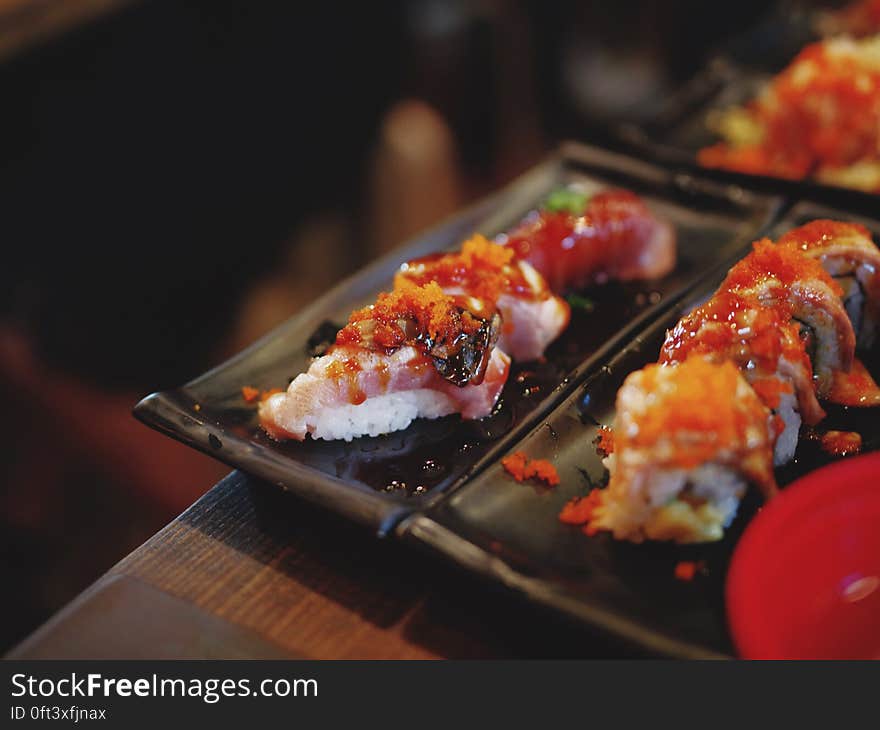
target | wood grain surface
[{"x": 315, "y": 586}]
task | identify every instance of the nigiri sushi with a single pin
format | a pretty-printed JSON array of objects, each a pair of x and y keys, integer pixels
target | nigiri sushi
[
  {"x": 532, "y": 316},
  {"x": 688, "y": 440},
  {"x": 582, "y": 240},
  {"x": 441, "y": 342},
  {"x": 415, "y": 353}
]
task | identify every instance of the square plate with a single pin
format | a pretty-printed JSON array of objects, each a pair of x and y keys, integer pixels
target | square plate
[
  {"x": 375, "y": 480},
  {"x": 510, "y": 533}
]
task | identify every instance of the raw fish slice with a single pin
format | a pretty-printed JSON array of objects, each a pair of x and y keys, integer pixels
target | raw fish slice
[
  {"x": 415, "y": 353},
  {"x": 354, "y": 392},
  {"x": 487, "y": 276},
  {"x": 615, "y": 237}
]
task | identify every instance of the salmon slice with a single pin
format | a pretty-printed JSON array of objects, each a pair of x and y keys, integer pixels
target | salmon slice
[
  {"x": 354, "y": 392},
  {"x": 616, "y": 237},
  {"x": 484, "y": 275}
]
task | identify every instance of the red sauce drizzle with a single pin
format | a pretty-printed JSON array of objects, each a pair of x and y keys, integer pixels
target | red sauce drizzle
[
  {"x": 349, "y": 371},
  {"x": 605, "y": 441},
  {"x": 818, "y": 233},
  {"x": 841, "y": 443},
  {"x": 855, "y": 388},
  {"x": 785, "y": 264},
  {"x": 384, "y": 375},
  {"x": 746, "y": 330}
]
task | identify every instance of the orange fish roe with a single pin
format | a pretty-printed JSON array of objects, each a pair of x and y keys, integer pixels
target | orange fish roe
[
  {"x": 841, "y": 443},
  {"x": 482, "y": 269},
  {"x": 735, "y": 324},
  {"x": 436, "y": 316},
  {"x": 819, "y": 232},
  {"x": 754, "y": 160},
  {"x": 699, "y": 401},
  {"x": 605, "y": 440},
  {"x": 786, "y": 264},
  {"x": 545, "y": 471},
  {"x": 579, "y": 510},
  {"x": 478, "y": 251},
  {"x": 521, "y": 467},
  {"x": 687, "y": 569},
  {"x": 822, "y": 110},
  {"x": 515, "y": 465}
]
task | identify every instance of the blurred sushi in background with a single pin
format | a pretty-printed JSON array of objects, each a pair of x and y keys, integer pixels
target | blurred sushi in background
[{"x": 819, "y": 118}]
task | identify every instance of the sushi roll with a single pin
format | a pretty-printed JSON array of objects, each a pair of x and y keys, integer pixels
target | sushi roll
[
  {"x": 783, "y": 277},
  {"x": 576, "y": 240},
  {"x": 489, "y": 275},
  {"x": 688, "y": 440},
  {"x": 415, "y": 353},
  {"x": 736, "y": 378},
  {"x": 765, "y": 344},
  {"x": 848, "y": 254}
]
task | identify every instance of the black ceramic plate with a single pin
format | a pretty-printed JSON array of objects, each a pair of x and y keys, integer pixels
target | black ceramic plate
[
  {"x": 679, "y": 130},
  {"x": 510, "y": 531},
  {"x": 377, "y": 481}
]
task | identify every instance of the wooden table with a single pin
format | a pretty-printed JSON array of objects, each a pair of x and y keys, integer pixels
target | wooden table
[{"x": 251, "y": 572}]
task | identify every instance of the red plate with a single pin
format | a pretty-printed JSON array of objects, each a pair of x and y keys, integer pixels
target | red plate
[{"x": 804, "y": 581}]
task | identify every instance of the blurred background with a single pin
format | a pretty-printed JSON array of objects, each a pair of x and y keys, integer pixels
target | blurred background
[{"x": 178, "y": 177}]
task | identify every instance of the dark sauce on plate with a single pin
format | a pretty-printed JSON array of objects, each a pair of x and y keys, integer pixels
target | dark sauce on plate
[{"x": 432, "y": 454}]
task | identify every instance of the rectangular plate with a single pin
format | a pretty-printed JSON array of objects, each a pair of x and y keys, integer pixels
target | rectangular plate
[
  {"x": 678, "y": 131},
  {"x": 510, "y": 533},
  {"x": 374, "y": 480}
]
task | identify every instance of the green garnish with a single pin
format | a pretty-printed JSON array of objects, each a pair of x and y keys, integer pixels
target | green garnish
[
  {"x": 567, "y": 200},
  {"x": 576, "y": 301}
]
